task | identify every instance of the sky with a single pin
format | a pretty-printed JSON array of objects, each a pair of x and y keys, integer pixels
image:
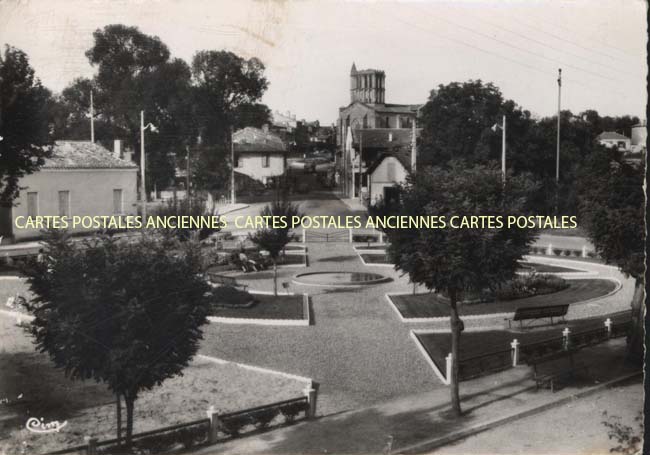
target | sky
[{"x": 308, "y": 46}]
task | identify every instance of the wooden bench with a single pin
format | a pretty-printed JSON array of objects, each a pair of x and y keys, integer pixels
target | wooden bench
[
  {"x": 552, "y": 380},
  {"x": 538, "y": 312},
  {"x": 226, "y": 281}
]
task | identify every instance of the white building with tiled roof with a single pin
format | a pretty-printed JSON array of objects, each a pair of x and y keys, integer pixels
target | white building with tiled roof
[
  {"x": 259, "y": 154},
  {"x": 613, "y": 139},
  {"x": 79, "y": 178}
]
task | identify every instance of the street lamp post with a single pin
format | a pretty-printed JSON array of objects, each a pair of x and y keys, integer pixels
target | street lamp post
[
  {"x": 143, "y": 188},
  {"x": 503, "y": 146}
]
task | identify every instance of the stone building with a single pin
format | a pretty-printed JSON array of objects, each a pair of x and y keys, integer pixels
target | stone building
[
  {"x": 259, "y": 154},
  {"x": 369, "y": 129}
]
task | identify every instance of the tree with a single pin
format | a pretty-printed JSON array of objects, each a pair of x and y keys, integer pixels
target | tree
[
  {"x": 23, "y": 122},
  {"x": 227, "y": 89},
  {"x": 274, "y": 239},
  {"x": 125, "y": 314},
  {"x": 455, "y": 261},
  {"x": 135, "y": 72},
  {"x": 611, "y": 203}
]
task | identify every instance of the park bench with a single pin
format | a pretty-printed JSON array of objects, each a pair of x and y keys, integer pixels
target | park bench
[
  {"x": 226, "y": 281},
  {"x": 538, "y": 312},
  {"x": 558, "y": 376}
]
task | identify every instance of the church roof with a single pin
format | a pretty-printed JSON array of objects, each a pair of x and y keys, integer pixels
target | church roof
[{"x": 83, "y": 155}]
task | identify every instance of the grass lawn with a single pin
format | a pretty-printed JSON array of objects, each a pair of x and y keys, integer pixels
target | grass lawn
[
  {"x": 376, "y": 258},
  {"x": 89, "y": 407},
  {"x": 472, "y": 344},
  {"x": 266, "y": 307},
  {"x": 430, "y": 305}
]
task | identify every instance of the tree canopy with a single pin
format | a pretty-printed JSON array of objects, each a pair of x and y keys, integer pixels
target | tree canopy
[
  {"x": 456, "y": 261},
  {"x": 24, "y": 125},
  {"x": 125, "y": 314}
]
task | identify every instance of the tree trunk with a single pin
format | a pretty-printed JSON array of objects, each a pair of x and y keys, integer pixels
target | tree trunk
[
  {"x": 129, "y": 419},
  {"x": 275, "y": 277},
  {"x": 455, "y": 343},
  {"x": 118, "y": 405},
  {"x": 636, "y": 338}
]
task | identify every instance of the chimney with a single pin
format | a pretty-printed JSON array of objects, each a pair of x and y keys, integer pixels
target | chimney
[{"x": 117, "y": 148}]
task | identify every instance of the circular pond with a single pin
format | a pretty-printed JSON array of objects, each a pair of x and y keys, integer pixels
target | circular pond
[{"x": 339, "y": 278}]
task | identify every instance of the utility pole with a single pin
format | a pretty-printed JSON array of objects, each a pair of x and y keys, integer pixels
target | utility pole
[
  {"x": 503, "y": 151},
  {"x": 187, "y": 177},
  {"x": 143, "y": 190},
  {"x": 92, "y": 119},
  {"x": 360, "y": 159},
  {"x": 559, "y": 99},
  {"x": 232, "y": 167}
]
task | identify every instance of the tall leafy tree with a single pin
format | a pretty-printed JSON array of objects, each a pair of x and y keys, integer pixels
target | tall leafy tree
[
  {"x": 23, "y": 122},
  {"x": 135, "y": 72},
  {"x": 275, "y": 239},
  {"x": 227, "y": 90},
  {"x": 458, "y": 261},
  {"x": 125, "y": 314},
  {"x": 612, "y": 209}
]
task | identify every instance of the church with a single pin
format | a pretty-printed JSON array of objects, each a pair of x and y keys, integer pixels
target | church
[{"x": 371, "y": 131}]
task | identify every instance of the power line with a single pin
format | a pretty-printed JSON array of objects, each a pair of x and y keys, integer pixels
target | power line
[
  {"x": 542, "y": 43},
  {"x": 485, "y": 35}
]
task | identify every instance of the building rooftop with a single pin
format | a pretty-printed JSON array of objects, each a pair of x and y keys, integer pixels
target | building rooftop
[
  {"x": 84, "y": 155},
  {"x": 384, "y": 138},
  {"x": 611, "y": 135},
  {"x": 256, "y": 140}
]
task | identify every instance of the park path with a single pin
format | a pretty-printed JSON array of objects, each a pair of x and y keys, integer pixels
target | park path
[{"x": 357, "y": 349}]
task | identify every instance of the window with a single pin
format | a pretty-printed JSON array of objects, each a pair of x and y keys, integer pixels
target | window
[
  {"x": 64, "y": 203},
  {"x": 621, "y": 144},
  {"x": 117, "y": 201},
  {"x": 237, "y": 163},
  {"x": 266, "y": 160},
  {"x": 32, "y": 204},
  {"x": 390, "y": 172}
]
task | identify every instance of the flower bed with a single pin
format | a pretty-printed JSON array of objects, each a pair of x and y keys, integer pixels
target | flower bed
[
  {"x": 263, "y": 306},
  {"x": 432, "y": 305},
  {"x": 371, "y": 258}
]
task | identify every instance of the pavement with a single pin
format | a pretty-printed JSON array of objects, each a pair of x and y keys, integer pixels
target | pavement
[{"x": 423, "y": 422}]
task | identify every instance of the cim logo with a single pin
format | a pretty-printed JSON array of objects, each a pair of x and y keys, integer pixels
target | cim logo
[{"x": 39, "y": 426}]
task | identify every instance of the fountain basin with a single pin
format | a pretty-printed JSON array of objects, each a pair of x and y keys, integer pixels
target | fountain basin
[{"x": 340, "y": 279}]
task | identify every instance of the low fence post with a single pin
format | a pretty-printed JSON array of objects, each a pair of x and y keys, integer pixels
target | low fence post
[
  {"x": 584, "y": 251},
  {"x": 350, "y": 234},
  {"x": 448, "y": 364},
  {"x": 565, "y": 343},
  {"x": 549, "y": 250},
  {"x": 214, "y": 425},
  {"x": 515, "y": 352},
  {"x": 312, "y": 396},
  {"x": 92, "y": 445},
  {"x": 608, "y": 324},
  {"x": 381, "y": 237},
  {"x": 304, "y": 235}
]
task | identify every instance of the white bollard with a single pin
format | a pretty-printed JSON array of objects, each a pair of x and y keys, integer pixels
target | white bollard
[
  {"x": 549, "y": 250},
  {"x": 350, "y": 234},
  {"x": 312, "y": 395},
  {"x": 565, "y": 333},
  {"x": 515, "y": 352},
  {"x": 448, "y": 362},
  {"x": 304, "y": 236},
  {"x": 213, "y": 432},
  {"x": 381, "y": 238},
  {"x": 608, "y": 324},
  {"x": 584, "y": 251}
]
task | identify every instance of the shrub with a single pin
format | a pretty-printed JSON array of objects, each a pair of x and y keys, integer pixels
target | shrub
[
  {"x": 577, "y": 253},
  {"x": 529, "y": 285},
  {"x": 263, "y": 417},
  {"x": 567, "y": 252},
  {"x": 291, "y": 410},
  {"x": 557, "y": 251},
  {"x": 228, "y": 296},
  {"x": 233, "y": 425}
]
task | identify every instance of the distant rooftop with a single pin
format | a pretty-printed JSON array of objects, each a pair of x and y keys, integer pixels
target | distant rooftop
[
  {"x": 252, "y": 139},
  {"x": 611, "y": 135},
  {"x": 84, "y": 155}
]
